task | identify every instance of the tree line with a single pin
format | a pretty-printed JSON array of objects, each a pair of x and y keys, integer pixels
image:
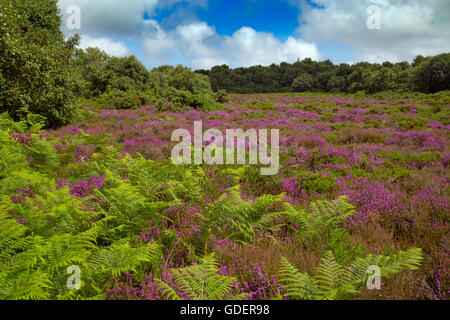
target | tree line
[{"x": 424, "y": 74}]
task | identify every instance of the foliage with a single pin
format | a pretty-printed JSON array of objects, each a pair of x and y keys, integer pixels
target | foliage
[
  {"x": 201, "y": 282},
  {"x": 433, "y": 74},
  {"x": 125, "y": 74},
  {"x": 140, "y": 227},
  {"x": 427, "y": 75},
  {"x": 304, "y": 82},
  {"x": 118, "y": 99},
  {"x": 180, "y": 78},
  {"x": 334, "y": 281},
  {"x": 221, "y": 96},
  {"x": 321, "y": 228},
  {"x": 35, "y": 64}
]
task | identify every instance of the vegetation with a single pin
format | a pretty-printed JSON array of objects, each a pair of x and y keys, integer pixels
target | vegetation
[
  {"x": 363, "y": 179},
  {"x": 428, "y": 75},
  {"x": 35, "y": 76},
  {"x": 352, "y": 192}
]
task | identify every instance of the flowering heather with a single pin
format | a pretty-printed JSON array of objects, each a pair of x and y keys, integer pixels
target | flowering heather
[
  {"x": 372, "y": 197},
  {"x": 23, "y": 194},
  {"x": 130, "y": 145},
  {"x": 423, "y": 141},
  {"x": 23, "y": 138},
  {"x": 85, "y": 188},
  {"x": 389, "y": 157}
]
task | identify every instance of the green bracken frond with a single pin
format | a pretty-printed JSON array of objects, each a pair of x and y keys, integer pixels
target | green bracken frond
[
  {"x": 300, "y": 286},
  {"x": 334, "y": 281},
  {"x": 200, "y": 282}
]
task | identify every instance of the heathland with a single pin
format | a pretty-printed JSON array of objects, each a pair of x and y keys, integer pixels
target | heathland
[{"x": 87, "y": 185}]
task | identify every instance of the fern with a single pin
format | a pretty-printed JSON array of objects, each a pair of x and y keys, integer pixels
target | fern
[
  {"x": 334, "y": 281},
  {"x": 245, "y": 218},
  {"x": 13, "y": 237},
  {"x": 121, "y": 257},
  {"x": 321, "y": 228},
  {"x": 299, "y": 285},
  {"x": 200, "y": 282}
]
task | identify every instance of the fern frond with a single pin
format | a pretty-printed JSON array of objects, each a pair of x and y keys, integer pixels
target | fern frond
[
  {"x": 121, "y": 257},
  {"x": 201, "y": 282},
  {"x": 299, "y": 285}
]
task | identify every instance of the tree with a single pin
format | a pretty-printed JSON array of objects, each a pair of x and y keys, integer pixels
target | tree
[
  {"x": 433, "y": 74},
  {"x": 336, "y": 84},
  {"x": 418, "y": 60},
  {"x": 124, "y": 74},
  {"x": 220, "y": 77},
  {"x": 180, "y": 78},
  {"x": 35, "y": 72},
  {"x": 89, "y": 63},
  {"x": 304, "y": 82}
]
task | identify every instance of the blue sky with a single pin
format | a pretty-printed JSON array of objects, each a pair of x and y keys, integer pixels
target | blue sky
[
  {"x": 204, "y": 33},
  {"x": 276, "y": 16}
]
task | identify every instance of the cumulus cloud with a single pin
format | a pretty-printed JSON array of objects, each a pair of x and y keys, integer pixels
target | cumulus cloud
[
  {"x": 196, "y": 42},
  {"x": 189, "y": 40},
  {"x": 114, "y": 48},
  {"x": 247, "y": 47},
  {"x": 408, "y": 27},
  {"x": 109, "y": 17},
  {"x": 200, "y": 43},
  {"x": 117, "y": 17}
]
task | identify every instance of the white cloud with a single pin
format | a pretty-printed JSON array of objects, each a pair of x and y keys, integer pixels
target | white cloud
[
  {"x": 205, "y": 48},
  {"x": 109, "y": 17},
  {"x": 408, "y": 27},
  {"x": 191, "y": 41},
  {"x": 117, "y": 17},
  {"x": 114, "y": 48},
  {"x": 247, "y": 47}
]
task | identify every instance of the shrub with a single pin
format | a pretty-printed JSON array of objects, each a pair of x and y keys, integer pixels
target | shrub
[
  {"x": 125, "y": 74},
  {"x": 221, "y": 96},
  {"x": 180, "y": 78},
  {"x": 406, "y": 123},
  {"x": 123, "y": 99},
  {"x": 35, "y": 72}
]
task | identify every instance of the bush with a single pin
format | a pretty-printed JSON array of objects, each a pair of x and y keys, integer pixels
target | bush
[
  {"x": 172, "y": 99},
  {"x": 180, "y": 78},
  {"x": 315, "y": 182},
  {"x": 123, "y": 99},
  {"x": 221, "y": 96},
  {"x": 406, "y": 123},
  {"x": 125, "y": 74},
  {"x": 35, "y": 73}
]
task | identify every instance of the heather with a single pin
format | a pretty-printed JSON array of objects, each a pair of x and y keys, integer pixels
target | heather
[{"x": 356, "y": 187}]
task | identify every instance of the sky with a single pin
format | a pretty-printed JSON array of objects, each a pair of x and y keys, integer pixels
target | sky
[{"x": 203, "y": 33}]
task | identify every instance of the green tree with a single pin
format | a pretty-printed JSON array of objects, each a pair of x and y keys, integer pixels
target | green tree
[
  {"x": 221, "y": 78},
  {"x": 180, "y": 78},
  {"x": 89, "y": 62},
  {"x": 124, "y": 74},
  {"x": 304, "y": 82},
  {"x": 433, "y": 74},
  {"x": 35, "y": 60},
  {"x": 336, "y": 84}
]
